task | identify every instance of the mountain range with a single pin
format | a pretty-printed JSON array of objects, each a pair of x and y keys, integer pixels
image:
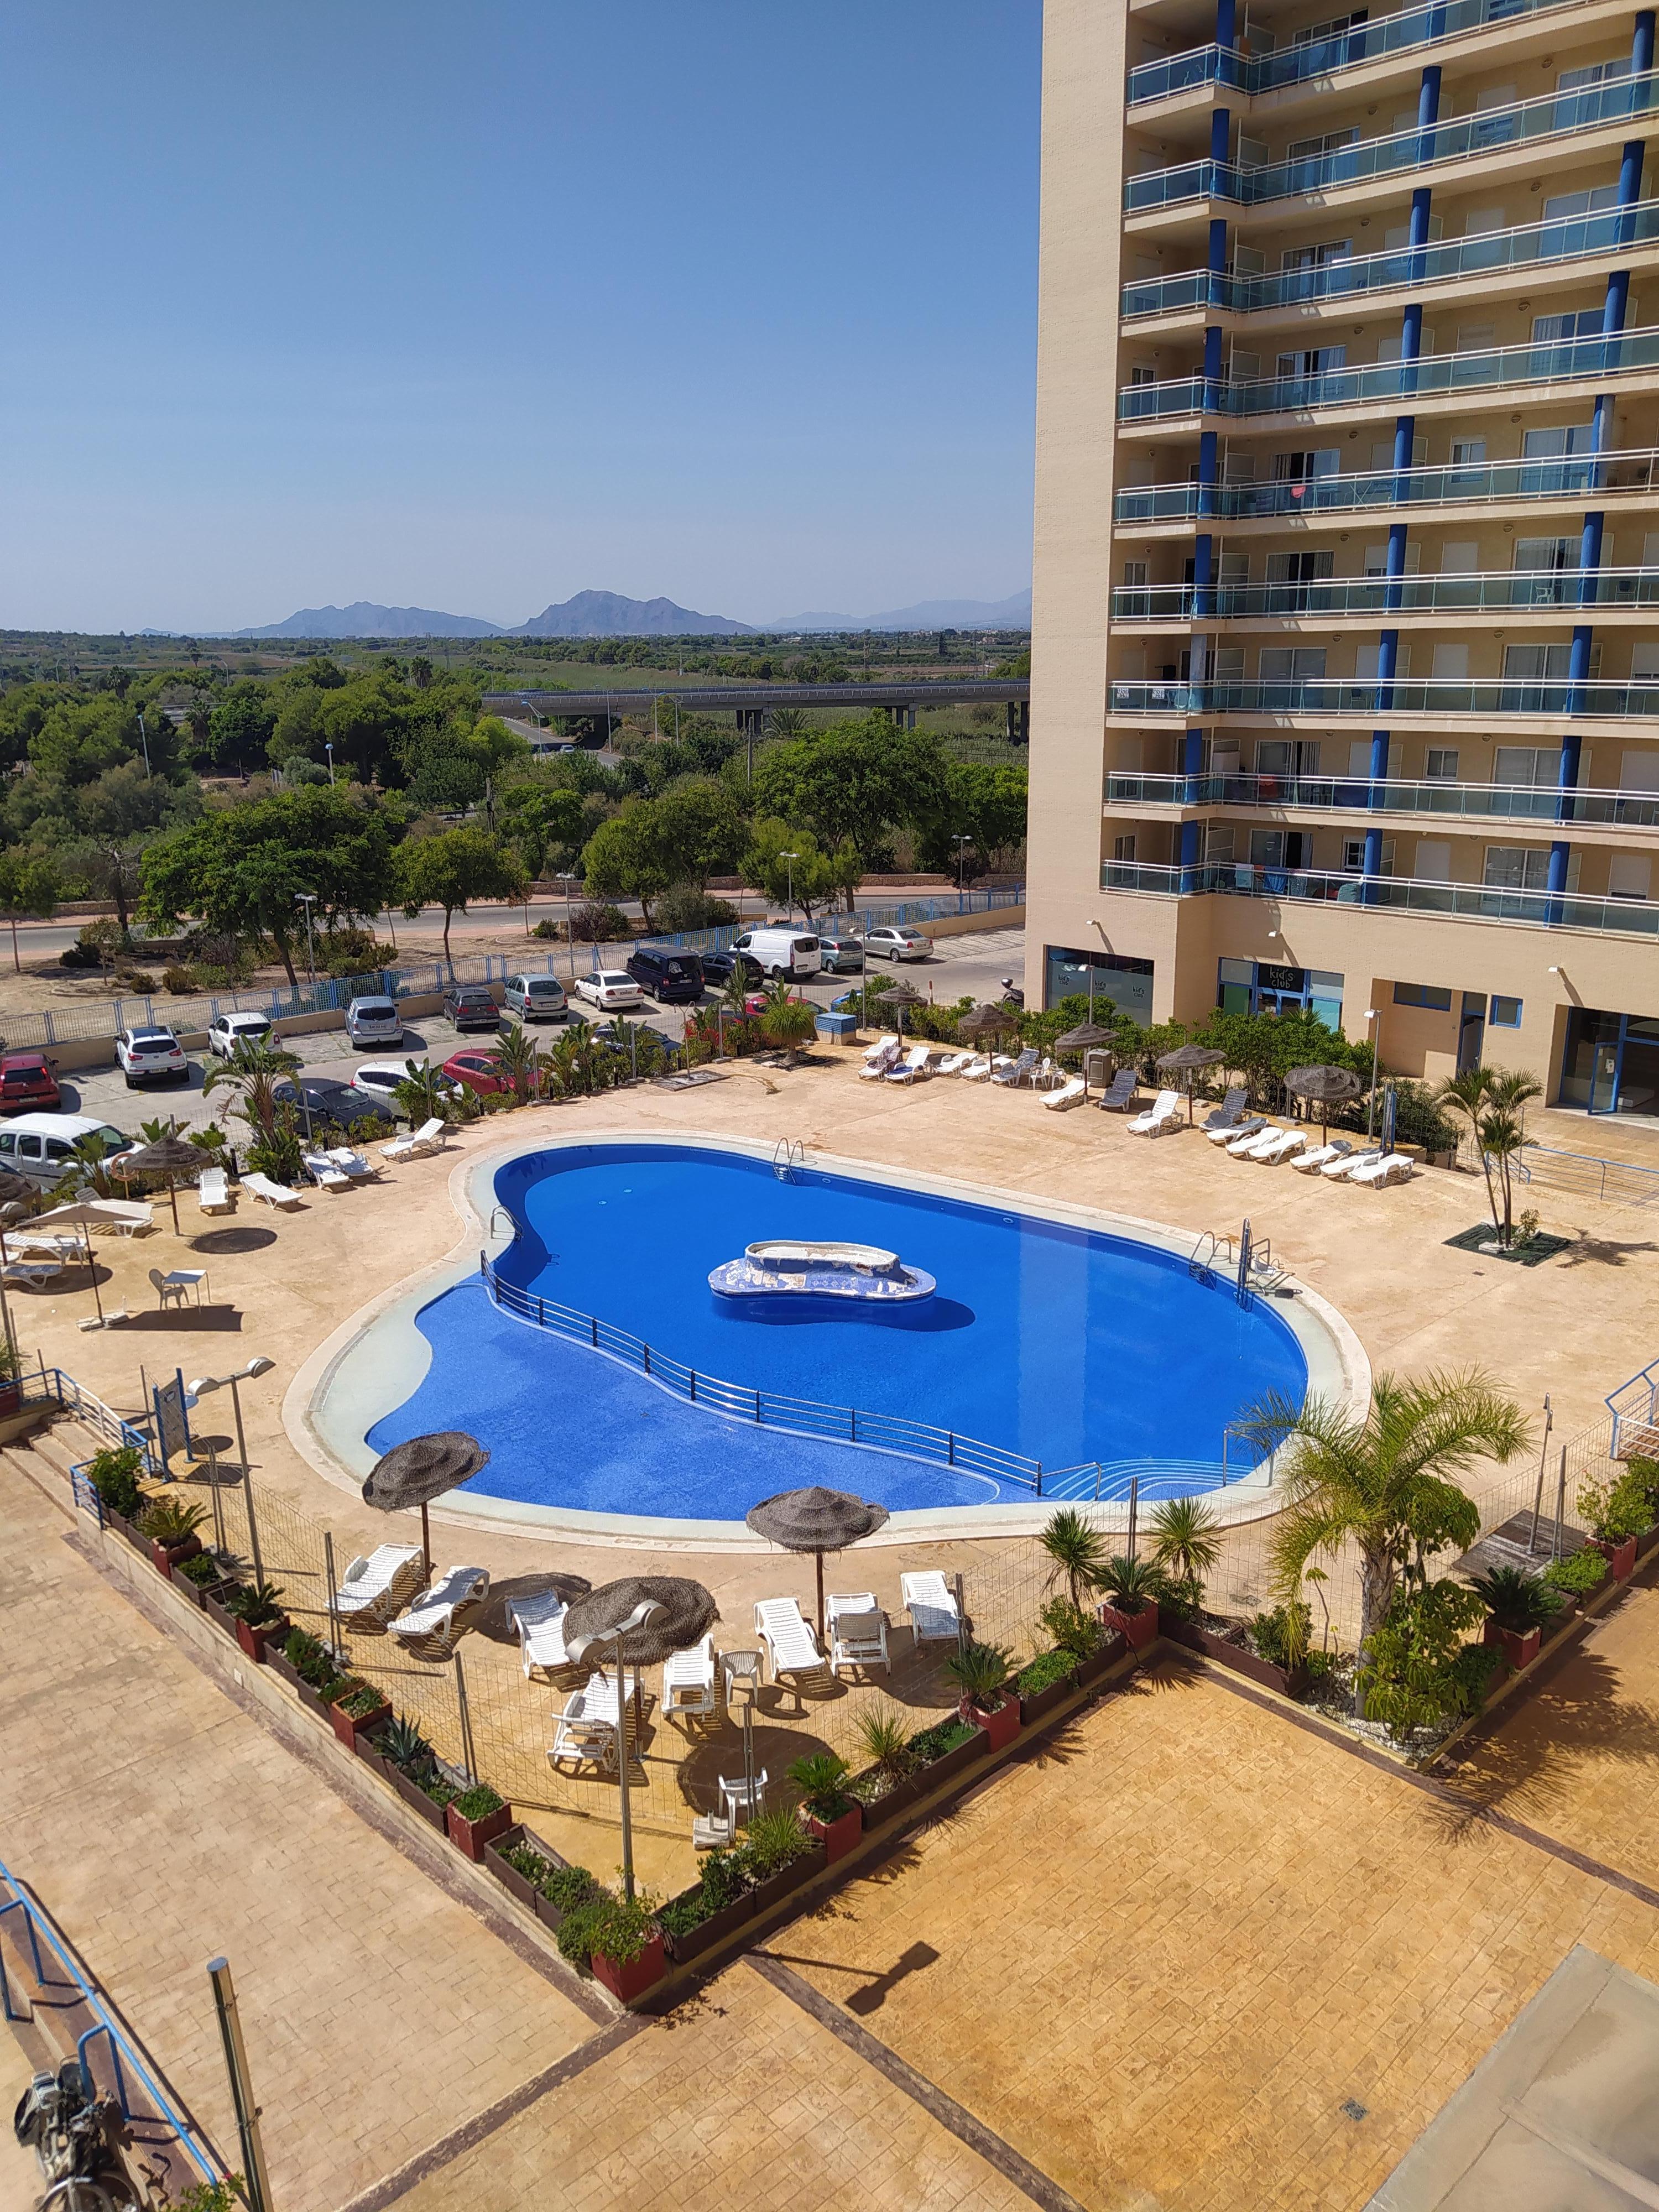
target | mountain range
[{"x": 610, "y": 614}]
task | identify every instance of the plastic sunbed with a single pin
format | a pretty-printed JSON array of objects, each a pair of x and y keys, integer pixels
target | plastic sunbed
[
  {"x": 323, "y": 1172},
  {"x": 1254, "y": 1125},
  {"x": 935, "y": 1617},
  {"x": 978, "y": 1069},
  {"x": 1392, "y": 1167},
  {"x": 914, "y": 1064},
  {"x": 791, "y": 1646},
  {"x": 1321, "y": 1156},
  {"x": 1227, "y": 1115},
  {"x": 887, "y": 1042},
  {"x": 540, "y": 1622},
  {"x": 1160, "y": 1116},
  {"x": 376, "y": 1588},
  {"x": 857, "y": 1631},
  {"x": 273, "y": 1193},
  {"x": 1119, "y": 1094},
  {"x": 1016, "y": 1071},
  {"x": 352, "y": 1163},
  {"x": 431, "y": 1620},
  {"x": 1280, "y": 1146},
  {"x": 1246, "y": 1148},
  {"x": 213, "y": 1192},
  {"x": 878, "y": 1063},
  {"x": 688, "y": 1682},
  {"x": 428, "y": 1138},
  {"x": 1069, "y": 1094},
  {"x": 1339, "y": 1171}
]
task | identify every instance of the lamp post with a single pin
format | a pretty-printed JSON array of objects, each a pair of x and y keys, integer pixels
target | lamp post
[
  {"x": 200, "y": 1388},
  {"x": 641, "y": 1612},
  {"x": 143, "y": 739},
  {"x": 307, "y": 900},
  {"x": 789, "y": 861},
  {"x": 565, "y": 882},
  {"x": 328, "y": 749},
  {"x": 961, "y": 842},
  {"x": 1373, "y": 1014}
]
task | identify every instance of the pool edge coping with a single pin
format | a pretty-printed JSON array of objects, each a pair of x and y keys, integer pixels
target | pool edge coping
[{"x": 1338, "y": 1365}]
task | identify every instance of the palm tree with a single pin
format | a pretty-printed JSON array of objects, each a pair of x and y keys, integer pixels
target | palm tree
[
  {"x": 1465, "y": 1095},
  {"x": 1185, "y": 1541},
  {"x": 1492, "y": 1101},
  {"x": 519, "y": 1061},
  {"x": 1385, "y": 1479},
  {"x": 423, "y": 1094},
  {"x": 787, "y": 1022},
  {"x": 1078, "y": 1550},
  {"x": 254, "y": 1071}
]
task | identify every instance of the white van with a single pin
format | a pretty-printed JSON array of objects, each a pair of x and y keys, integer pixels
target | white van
[
  {"x": 42, "y": 1145},
  {"x": 780, "y": 951}
]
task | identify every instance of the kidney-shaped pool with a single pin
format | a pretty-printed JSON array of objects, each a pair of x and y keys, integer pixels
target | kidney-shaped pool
[{"x": 1088, "y": 1351}]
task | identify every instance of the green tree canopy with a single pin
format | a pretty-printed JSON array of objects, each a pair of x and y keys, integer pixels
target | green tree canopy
[
  {"x": 453, "y": 869},
  {"x": 240, "y": 726},
  {"x": 853, "y": 780},
  {"x": 809, "y": 878},
  {"x": 983, "y": 803},
  {"x": 699, "y": 829},
  {"x": 29, "y": 887},
  {"x": 624, "y": 857},
  {"x": 544, "y": 823}
]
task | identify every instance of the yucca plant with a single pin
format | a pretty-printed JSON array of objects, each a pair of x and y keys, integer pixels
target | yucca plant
[
  {"x": 981, "y": 1672},
  {"x": 1515, "y": 1600},
  {"x": 1186, "y": 1542},
  {"x": 771, "y": 1841},
  {"x": 1132, "y": 1584},
  {"x": 171, "y": 1520},
  {"x": 821, "y": 1780},
  {"x": 883, "y": 1737},
  {"x": 1078, "y": 1550}
]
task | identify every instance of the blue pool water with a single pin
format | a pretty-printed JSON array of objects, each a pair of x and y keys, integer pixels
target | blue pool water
[{"x": 1065, "y": 1345}]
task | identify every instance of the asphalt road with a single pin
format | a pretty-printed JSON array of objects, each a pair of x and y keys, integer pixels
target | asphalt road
[{"x": 971, "y": 965}]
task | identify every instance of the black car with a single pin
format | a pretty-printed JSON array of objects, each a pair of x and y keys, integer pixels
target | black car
[
  {"x": 642, "y": 1036},
  {"x": 671, "y": 978},
  {"x": 471, "y": 1007},
  {"x": 718, "y": 967},
  {"x": 332, "y": 1106}
]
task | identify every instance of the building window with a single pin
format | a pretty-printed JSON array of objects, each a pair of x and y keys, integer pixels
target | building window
[
  {"x": 1123, "y": 848},
  {"x": 1429, "y": 996},
  {"x": 1112, "y": 978},
  {"x": 1442, "y": 764},
  {"x": 1250, "y": 987},
  {"x": 1503, "y": 1013},
  {"x": 1353, "y": 856}
]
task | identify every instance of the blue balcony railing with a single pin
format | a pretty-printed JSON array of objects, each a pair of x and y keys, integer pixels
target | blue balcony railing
[
  {"x": 1460, "y": 138},
  {"x": 1347, "y": 695},
  {"x": 1505, "y": 802},
  {"x": 1316, "y": 57},
  {"x": 1392, "y": 894},
  {"x": 1611, "y": 230},
  {"x": 1571, "y": 477},
  {"x": 1505, "y": 591}
]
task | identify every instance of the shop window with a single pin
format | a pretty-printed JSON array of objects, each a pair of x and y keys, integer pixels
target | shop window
[
  {"x": 1503, "y": 1013},
  {"x": 1429, "y": 996}
]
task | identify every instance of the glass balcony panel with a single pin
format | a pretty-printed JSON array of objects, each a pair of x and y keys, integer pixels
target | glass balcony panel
[
  {"x": 1505, "y": 802},
  {"x": 1505, "y": 591},
  {"x": 1245, "y": 879},
  {"x": 1403, "y": 696},
  {"x": 1571, "y": 477}
]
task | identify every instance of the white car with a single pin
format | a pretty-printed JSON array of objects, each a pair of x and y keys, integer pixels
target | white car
[
  {"x": 151, "y": 1055},
  {"x": 42, "y": 1145},
  {"x": 609, "y": 988},
  {"x": 379, "y": 1079},
  {"x": 229, "y": 1030},
  {"x": 897, "y": 945}
]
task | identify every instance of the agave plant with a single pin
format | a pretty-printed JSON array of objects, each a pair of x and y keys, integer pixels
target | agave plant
[
  {"x": 402, "y": 1742},
  {"x": 1515, "y": 1600},
  {"x": 1132, "y": 1584},
  {"x": 981, "y": 1672}
]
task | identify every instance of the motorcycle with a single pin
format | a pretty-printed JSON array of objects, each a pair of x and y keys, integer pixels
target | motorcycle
[
  {"x": 1014, "y": 998},
  {"x": 75, "y": 2138}
]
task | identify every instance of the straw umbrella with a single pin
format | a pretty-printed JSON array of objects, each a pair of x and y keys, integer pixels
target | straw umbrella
[
  {"x": 899, "y": 995},
  {"x": 425, "y": 1467},
  {"x": 169, "y": 1156},
  {"x": 1187, "y": 1059},
  {"x": 817, "y": 1520},
  {"x": 1085, "y": 1038},
  {"x": 1324, "y": 1087}
]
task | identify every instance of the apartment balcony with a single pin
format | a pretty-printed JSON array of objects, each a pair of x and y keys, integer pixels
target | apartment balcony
[
  {"x": 1389, "y": 384},
  {"x": 1576, "y": 477},
  {"x": 1529, "y": 246},
  {"x": 1342, "y": 696},
  {"x": 1460, "y": 138},
  {"x": 1321, "y": 57},
  {"x": 1507, "y": 592},
  {"x": 1491, "y": 802},
  {"x": 1605, "y": 917}
]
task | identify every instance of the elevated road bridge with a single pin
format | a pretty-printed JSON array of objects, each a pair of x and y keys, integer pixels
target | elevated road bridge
[{"x": 753, "y": 704}]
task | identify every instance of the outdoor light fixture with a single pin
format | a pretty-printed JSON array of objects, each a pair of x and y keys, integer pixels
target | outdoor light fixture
[{"x": 203, "y": 1387}]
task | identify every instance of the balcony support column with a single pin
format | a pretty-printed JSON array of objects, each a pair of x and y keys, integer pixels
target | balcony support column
[
  {"x": 1577, "y": 676},
  {"x": 1216, "y": 265},
  {"x": 1192, "y": 765},
  {"x": 1203, "y": 583},
  {"x": 1212, "y": 395},
  {"x": 1589, "y": 558},
  {"x": 1428, "y": 113},
  {"x": 1209, "y": 472},
  {"x": 1221, "y": 135},
  {"x": 1227, "y": 23}
]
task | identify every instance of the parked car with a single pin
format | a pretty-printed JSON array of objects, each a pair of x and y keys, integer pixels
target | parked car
[
  {"x": 842, "y": 956},
  {"x": 151, "y": 1055},
  {"x": 905, "y": 943},
  {"x": 718, "y": 968},
  {"x": 477, "y": 1069},
  {"x": 671, "y": 978},
  {"x": 226, "y": 1032},
  {"x": 379, "y": 1079},
  {"x": 42, "y": 1145},
  {"x": 374, "y": 1021},
  {"x": 536, "y": 998},
  {"x": 328, "y": 1106},
  {"x": 26, "y": 1079},
  {"x": 609, "y": 987},
  {"x": 640, "y": 1033},
  {"x": 471, "y": 1007},
  {"x": 780, "y": 951}
]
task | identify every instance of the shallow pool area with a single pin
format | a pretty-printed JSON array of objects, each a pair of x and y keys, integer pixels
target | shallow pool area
[{"x": 1091, "y": 1352}]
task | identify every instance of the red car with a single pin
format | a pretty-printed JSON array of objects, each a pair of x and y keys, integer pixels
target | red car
[
  {"x": 478, "y": 1070},
  {"x": 26, "y": 1079}
]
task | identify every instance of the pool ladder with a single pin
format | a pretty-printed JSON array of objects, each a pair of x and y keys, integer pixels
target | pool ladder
[{"x": 789, "y": 1154}]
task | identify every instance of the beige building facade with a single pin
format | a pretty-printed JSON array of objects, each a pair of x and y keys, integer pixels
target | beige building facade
[{"x": 1346, "y": 643}]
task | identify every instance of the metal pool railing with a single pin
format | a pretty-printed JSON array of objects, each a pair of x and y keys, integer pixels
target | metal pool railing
[{"x": 765, "y": 1408}]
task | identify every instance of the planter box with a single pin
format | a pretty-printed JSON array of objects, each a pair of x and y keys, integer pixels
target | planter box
[
  {"x": 416, "y": 1799},
  {"x": 955, "y": 1762},
  {"x": 546, "y": 1911},
  {"x": 878, "y": 1811},
  {"x": 254, "y": 1640},
  {"x": 1289, "y": 1681},
  {"x": 314, "y": 1702},
  {"x": 708, "y": 1932},
  {"x": 1032, "y": 1708},
  {"x": 508, "y": 1876},
  {"x": 216, "y": 1610},
  {"x": 471, "y": 1836},
  {"x": 349, "y": 1729},
  {"x": 167, "y": 1556},
  {"x": 1620, "y": 1557},
  {"x": 11, "y": 1397},
  {"x": 1138, "y": 1630},
  {"x": 632, "y": 1980},
  {"x": 374, "y": 1760},
  {"x": 1099, "y": 1664},
  {"x": 999, "y": 1728},
  {"x": 840, "y": 1835},
  {"x": 123, "y": 1528},
  {"x": 1518, "y": 1651},
  {"x": 766, "y": 1894},
  {"x": 199, "y": 1592}
]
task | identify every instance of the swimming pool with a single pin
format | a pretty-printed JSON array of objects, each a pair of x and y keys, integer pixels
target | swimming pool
[{"x": 1072, "y": 1345}]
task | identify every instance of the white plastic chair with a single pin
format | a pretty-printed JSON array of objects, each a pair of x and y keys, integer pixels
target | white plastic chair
[{"x": 688, "y": 1683}]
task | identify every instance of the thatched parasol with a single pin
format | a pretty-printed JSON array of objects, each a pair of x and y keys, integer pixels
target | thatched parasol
[
  {"x": 987, "y": 1021},
  {"x": 899, "y": 995},
  {"x": 171, "y": 1157},
  {"x": 685, "y": 1613},
  {"x": 1324, "y": 1087},
  {"x": 818, "y": 1521},
  {"x": 425, "y": 1467},
  {"x": 1085, "y": 1038},
  {"x": 1187, "y": 1059}
]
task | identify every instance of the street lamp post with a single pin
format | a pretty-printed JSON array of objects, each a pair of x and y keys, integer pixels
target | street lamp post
[
  {"x": 307, "y": 900},
  {"x": 569, "y": 927},
  {"x": 1373, "y": 1014},
  {"x": 328, "y": 749},
  {"x": 143, "y": 739},
  {"x": 962, "y": 841},
  {"x": 200, "y": 1388},
  {"x": 789, "y": 861}
]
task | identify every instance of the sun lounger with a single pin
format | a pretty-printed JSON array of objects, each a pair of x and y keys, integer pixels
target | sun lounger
[
  {"x": 352, "y": 1163},
  {"x": 213, "y": 1192},
  {"x": 376, "y": 1588},
  {"x": 857, "y": 1631},
  {"x": 1229, "y": 1114},
  {"x": 273, "y": 1193},
  {"x": 1119, "y": 1093},
  {"x": 1321, "y": 1156},
  {"x": 1254, "y": 1125},
  {"x": 935, "y": 1617},
  {"x": 428, "y": 1138},
  {"x": 914, "y": 1064},
  {"x": 791, "y": 1646},
  {"x": 1270, "y": 1151},
  {"x": 887, "y": 1042},
  {"x": 878, "y": 1063},
  {"x": 1392, "y": 1167},
  {"x": 36, "y": 1272},
  {"x": 432, "y": 1621},
  {"x": 688, "y": 1683},
  {"x": 323, "y": 1172},
  {"x": 1247, "y": 1147},
  {"x": 1161, "y": 1116},
  {"x": 1069, "y": 1094},
  {"x": 1016, "y": 1071},
  {"x": 589, "y": 1726},
  {"x": 1340, "y": 1170},
  {"x": 953, "y": 1063},
  {"x": 978, "y": 1069},
  {"x": 540, "y": 1623}
]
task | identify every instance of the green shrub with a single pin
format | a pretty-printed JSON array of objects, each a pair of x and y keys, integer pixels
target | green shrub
[
  {"x": 684, "y": 907},
  {"x": 822, "y": 1781},
  {"x": 171, "y": 1520},
  {"x": 114, "y": 1476},
  {"x": 931, "y": 1743},
  {"x": 566, "y": 1887},
  {"x": 356, "y": 1700},
  {"x": 578, "y": 1931},
  {"x": 1071, "y": 1629},
  {"x": 773, "y": 1841},
  {"x": 981, "y": 1672},
  {"x": 1045, "y": 1671},
  {"x": 1644, "y": 1474},
  {"x": 1419, "y": 1673},
  {"x": 256, "y": 1603},
  {"x": 1515, "y": 1600},
  {"x": 1281, "y": 1637},
  {"x": 204, "y": 1571},
  {"x": 401, "y": 1741},
  {"x": 620, "y": 1926},
  {"x": 479, "y": 1802},
  {"x": 884, "y": 1735},
  {"x": 313, "y": 1663},
  {"x": 229, "y": 2196},
  {"x": 1578, "y": 1574}
]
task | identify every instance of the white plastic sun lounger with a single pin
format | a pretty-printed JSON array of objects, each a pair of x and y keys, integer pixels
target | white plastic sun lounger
[
  {"x": 1158, "y": 1117},
  {"x": 273, "y": 1193},
  {"x": 540, "y": 1623},
  {"x": 589, "y": 1726},
  {"x": 1240, "y": 1133},
  {"x": 323, "y": 1172},
  {"x": 1246, "y": 1148},
  {"x": 688, "y": 1683},
  {"x": 887, "y": 1042},
  {"x": 857, "y": 1631},
  {"x": 1010, "y": 1072},
  {"x": 382, "y": 1585},
  {"x": 1070, "y": 1094},
  {"x": 935, "y": 1617},
  {"x": 431, "y": 1619},
  {"x": 1280, "y": 1146},
  {"x": 791, "y": 1646},
  {"x": 213, "y": 1192},
  {"x": 878, "y": 1063},
  {"x": 1392, "y": 1167},
  {"x": 428, "y": 1138},
  {"x": 978, "y": 1069},
  {"x": 352, "y": 1163},
  {"x": 954, "y": 1062},
  {"x": 1339, "y": 1171},
  {"x": 914, "y": 1064},
  {"x": 1321, "y": 1156}
]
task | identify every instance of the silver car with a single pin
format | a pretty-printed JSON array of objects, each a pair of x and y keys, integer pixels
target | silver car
[
  {"x": 374, "y": 1021},
  {"x": 897, "y": 944},
  {"x": 536, "y": 998}
]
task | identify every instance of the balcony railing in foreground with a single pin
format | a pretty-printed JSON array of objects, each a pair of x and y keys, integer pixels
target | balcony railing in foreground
[
  {"x": 1508, "y": 802},
  {"x": 1507, "y": 589},
  {"x": 1574, "y": 477},
  {"x": 1553, "y": 361},
  {"x": 1389, "y": 894},
  {"x": 1404, "y": 696}
]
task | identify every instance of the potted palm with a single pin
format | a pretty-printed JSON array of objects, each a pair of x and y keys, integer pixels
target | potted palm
[
  {"x": 831, "y": 1815},
  {"x": 170, "y": 1525},
  {"x": 1186, "y": 1547},
  {"x": 1132, "y": 1588},
  {"x": 1519, "y": 1608},
  {"x": 255, "y": 1616},
  {"x": 476, "y": 1818},
  {"x": 981, "y": 1672},
  {"x": 1077, "y": 1551}
]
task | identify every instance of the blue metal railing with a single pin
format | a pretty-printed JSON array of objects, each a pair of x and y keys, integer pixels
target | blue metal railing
[
  {"x": 88, "y": 1406},
  {"x": 1503, "y": 589},
  {"x": 1340, "y": 694},
  {"x": 1572, "y": 478},
  {"x": 1635, "y": 1409},
  {"x": 1387, "y": 795}
]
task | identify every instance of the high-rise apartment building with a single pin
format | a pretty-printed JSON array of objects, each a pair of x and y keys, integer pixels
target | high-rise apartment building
[{"x": 1346, "y": 659}]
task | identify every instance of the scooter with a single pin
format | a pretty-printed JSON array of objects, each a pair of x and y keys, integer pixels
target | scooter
[
  {"x": 1014, "y": 998},
  {"x": 74, "y": 2137}
]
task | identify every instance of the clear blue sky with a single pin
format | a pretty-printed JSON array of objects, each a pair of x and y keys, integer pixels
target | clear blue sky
[{"x": 472, "y": 308}]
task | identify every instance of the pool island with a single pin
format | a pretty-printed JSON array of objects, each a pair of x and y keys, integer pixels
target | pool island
[{"x": 779, "y": 1266}]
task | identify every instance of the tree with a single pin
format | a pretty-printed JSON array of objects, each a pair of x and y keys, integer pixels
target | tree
[
  {"x": 519, "y": 1059},
  {"x": 853, "y": 780},
  {"x": 253, "y": 1072},
  {"x": 987, "y": 805},
  {"x": 540, "y": 820},
  {"x": 699, "y": 830},
  {"x": 1492, "y": 1101},
  {"x": 1186, "y": 1543},
  {"x": 1077, "y": 1551},
  {"x": 786, "y": 1022},
  {"x": 453, "y": 869},
  {"x": 790, "y": 865},
  {"x": 1385, "y": 1479},
  {"x": 624, "y": 857},
  {"x": 242, "y": 725},
  {"x": 1420, "y": 1671},
  {"x": 28, "y": 886}
]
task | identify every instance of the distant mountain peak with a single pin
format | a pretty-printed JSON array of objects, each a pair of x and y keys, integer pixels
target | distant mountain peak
[
  {"x": 362, "y": 618},
  {"x": 611, "y": 614}
]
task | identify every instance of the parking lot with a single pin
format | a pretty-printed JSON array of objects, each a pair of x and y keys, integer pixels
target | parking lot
[{"x": 959, "y": 966}]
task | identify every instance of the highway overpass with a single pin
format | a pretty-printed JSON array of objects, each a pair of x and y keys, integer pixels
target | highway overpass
[{"x": 753, "y": 704}]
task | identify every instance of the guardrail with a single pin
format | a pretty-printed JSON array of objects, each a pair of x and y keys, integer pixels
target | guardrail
[
  {"x": 86, "y": 1406},
  {"x": 1587, "y": 1175}
]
